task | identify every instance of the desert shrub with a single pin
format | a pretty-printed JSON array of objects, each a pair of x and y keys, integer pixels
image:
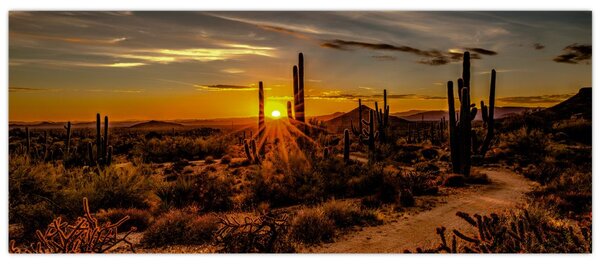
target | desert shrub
[
  {"x": 346, "y": 214},
  {"x": 406, "y": 198},
  {"x": 268, "y": 233},
  {"x": 169, "y": 148},
  {"x": 477, "y": 178},
  {"x": 209, "y": 160},
  {"x": 208, "y": 191},
  {"x": 525, "y": 231},
  {"x": 370, "y": 180},
  {"x": 426, "y": 167},
  {"x": 113, "y": 187},
  {"x": 454, "y": 180},
  {"x": 60, "y": 236},
  {"x": 226, "y": 159},
  {"x": 181, "y": 227},
  {"x": 570, "y": 193},
  {"x": 32, "y": 217},
  {"x": 579, "y": 130},
  {"x": 312, "y": 226},
  {"x": 543, "y": 172},
  {"x": 429, "y": 153},
  {"x": 138, "y": 218},
  {"x": 524, "y": 146},
  {"x": 419, "y": 183}
]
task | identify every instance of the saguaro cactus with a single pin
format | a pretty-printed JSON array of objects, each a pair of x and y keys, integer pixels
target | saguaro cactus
[
  {"x": 105, "y": 144},
  {"x": 488, "y": 116},
  {"x": 28, "y": 140},
  {"x": 370, "y": 135},
  {"x": 289, "y": 111},
  {"x": 358, "y": 132},
  {"x": 462, "y": 138},
  {"x": 98, "y": 138},
  {"x": 382, "y": 117},
  {"x": 261, "y": 109},
  {"x": 300, "y": 116},
  {"x": 346, "y": 146},
  {"x": 68, "y": 128}
]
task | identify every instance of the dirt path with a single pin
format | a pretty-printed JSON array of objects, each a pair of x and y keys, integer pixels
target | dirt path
[{"x": 505, "y": 191}]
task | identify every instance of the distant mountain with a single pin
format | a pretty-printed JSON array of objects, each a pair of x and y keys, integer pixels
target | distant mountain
[
  {"x": 43, "y": 124},
  {"x": 434, "y": 115},
  {"x": 579, "y": 105},
  {"x": 156, "y": 125},
  {"x": 341, "y": 122},
  {"x": 327, "y": 117}
]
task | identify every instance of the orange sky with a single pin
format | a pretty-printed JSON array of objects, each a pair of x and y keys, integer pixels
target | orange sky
[{"x": 175, "y": 65}]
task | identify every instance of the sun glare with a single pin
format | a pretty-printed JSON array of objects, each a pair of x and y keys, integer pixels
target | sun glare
[{"x": 276, "y": 114}]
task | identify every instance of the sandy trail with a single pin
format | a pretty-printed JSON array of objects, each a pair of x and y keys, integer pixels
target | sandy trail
[{"x": 505, "y": 191}]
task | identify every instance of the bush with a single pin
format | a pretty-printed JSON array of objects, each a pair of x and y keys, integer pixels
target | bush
[
  {"x": 544, "y": 172},
  {"x": 570, "y": 193},
  {"x": 139, "y": 219},
  {"x": 226, "y": 159},
  {"x": 181, "y": 227},
  {"x": 312, "y": 226},
  {"x": 579, "y": 130},
  {"x": 454, "y": 180},
  {"x": 477, "y": 178},
  {"x": 208, "y": 191},
  {"x": 406, "y": 198},
  {"x": 525, "y": 146},
  {"x": 345, "y": 214},
  {"x": 209, "y": 160}
]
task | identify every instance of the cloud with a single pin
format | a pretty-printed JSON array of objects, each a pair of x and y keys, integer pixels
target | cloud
[
  {"x": 575, "y": 53},
  {"x": 431, "y": 57},
  {"x": 67, "y": 63},
  {"x": 481, "y": 51},
  {"x": 233, "y": 71},
  {"x": 227, "y": 87},
  {"x": 16, "y": 89},
  {"x": 540, "y": 99},
  {"x": 284, "y": 30},
  {"x": 538, "y": 46},
  {"x": 384, "y": 58},
  {"x": 75, "y": 40}
]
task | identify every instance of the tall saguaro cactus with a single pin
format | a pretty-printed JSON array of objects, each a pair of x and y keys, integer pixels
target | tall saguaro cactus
[
  {"x": 369, "y": 136},
  {"x": 488, "y": 116},
  {"x": 261, "y": 109},
  {"x": 462, "y": 138},
  {"x": 289, "y": 111},
  {"x": 68, "y": 128},
  {"x": 382, "y": 117},
  {"x": 300, "y": 115},
  {"x": 358, "y": 132},
  {"x": 98, "y": 138}
]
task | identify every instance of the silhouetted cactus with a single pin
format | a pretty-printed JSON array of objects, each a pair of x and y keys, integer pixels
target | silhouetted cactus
[
  {"x": 289, "y": 111},
  {"x": 382, "y": 117},
  {"x": 346, "y": 146},
  {"x": 105, "y": 142},
  {"x": 462, "y": 138},
  {"x": 28, "y": 140},
  {"x": 358, "y": 132},
  {"x": 251, "y": 151},
  {"x": 369, "y": 135},
  {"x": 68, "y": 142},
  {"x": 109, "y": 155},
  {"x": 300, "y": 115},
  {"x": 261, "y": 109},
  {"x": 98, "y": 138},
  {"x": 488, "y": 116}
]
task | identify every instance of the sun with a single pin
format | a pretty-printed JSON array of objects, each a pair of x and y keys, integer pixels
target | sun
[{"x": 276, "y": 114}]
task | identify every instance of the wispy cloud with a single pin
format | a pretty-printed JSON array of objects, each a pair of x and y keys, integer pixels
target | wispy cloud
[
  {"x": 384, "y": 58},
  {"x": 16, "y": 89},
  {"x": 66, "y": 39},
  {"x": 233, "y": 71},
  {"x": 228, "y": 87},
  {"x": 574, "y": 54},
  {"x": 429, "y": 57},
  {"x": 538, "y": 46},
  {"x": 540, "y": 99}
]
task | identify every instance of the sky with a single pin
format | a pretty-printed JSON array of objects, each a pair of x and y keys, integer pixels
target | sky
[{"x": 197, "y": 65}]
